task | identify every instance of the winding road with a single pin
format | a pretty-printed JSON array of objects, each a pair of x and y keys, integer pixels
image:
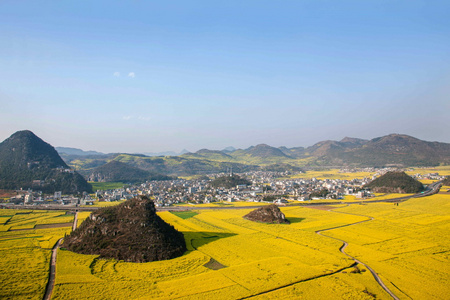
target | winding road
[
  {"x": 431, "y": 189},
  {"x": 345, "y": 244}
]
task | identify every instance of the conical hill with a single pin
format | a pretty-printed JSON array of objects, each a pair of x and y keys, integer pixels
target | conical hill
[
  {"x": 267, "y": 214},
  {"x": 395, "y": 182},
  {"x": 131, "y": 231},
  {"x": 26, "y": 161}
]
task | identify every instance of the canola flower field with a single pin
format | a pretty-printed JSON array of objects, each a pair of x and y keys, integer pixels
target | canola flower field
[
  {"x": 230, "y": 257},
  {"x": 25, "y": 251}
]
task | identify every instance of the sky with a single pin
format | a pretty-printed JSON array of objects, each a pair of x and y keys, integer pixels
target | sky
[{"x": 150, "y": 76}]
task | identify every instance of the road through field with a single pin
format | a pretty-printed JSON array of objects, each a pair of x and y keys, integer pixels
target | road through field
[
  {"x": 52, "y": 271},
  {"x": 345, "y": 244},
  {"x": 51, "y": 276}
]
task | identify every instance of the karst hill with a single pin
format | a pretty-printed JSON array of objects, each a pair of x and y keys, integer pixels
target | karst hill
[
  {"x": 131, "y": 231},
  {"x": 267, "y": 214},
  {"x": 229, "y": 182},
  {"x": 395, "y": 182},
  {"x": 26, "y": 161}
]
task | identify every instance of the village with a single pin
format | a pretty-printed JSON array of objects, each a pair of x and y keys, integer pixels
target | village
[{"x": 274, "y": 187}]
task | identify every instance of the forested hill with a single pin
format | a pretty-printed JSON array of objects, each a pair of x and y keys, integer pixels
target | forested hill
[
  {"x": 26, "y": 161},
  {"x": 395, "y": 182},
  {"x": 229, "y": 181}
]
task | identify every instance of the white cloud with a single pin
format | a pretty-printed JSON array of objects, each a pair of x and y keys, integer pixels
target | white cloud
[
  {"x": 131, "y": 74},
  {"x": 144, "y": 118},
  {"x": 116, "y": 74},
  {"x": 127, "y": 117}
]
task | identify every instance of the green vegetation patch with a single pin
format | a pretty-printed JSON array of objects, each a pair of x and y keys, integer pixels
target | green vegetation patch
[
  {"x": 106, "y": 185},
  {"x": 184, "y": 214}
]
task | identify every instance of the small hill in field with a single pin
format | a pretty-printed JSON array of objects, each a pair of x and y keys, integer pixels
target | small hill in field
[
  {"x": 395, "y": 182},
  {"x": 131, "y": 231},
  {"x": 229, "y": 181},
  {"x": 267, "y": 214}
]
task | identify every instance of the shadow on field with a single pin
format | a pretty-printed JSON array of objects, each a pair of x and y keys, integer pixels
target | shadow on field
[
  {"x": 295, "y": 220},
  {"x": 199, "y": 238}
]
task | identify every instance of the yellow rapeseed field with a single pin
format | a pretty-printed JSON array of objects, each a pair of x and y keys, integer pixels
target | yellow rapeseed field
[
  {"x": 407, "y": 245},
  {"x": 230, "y": 257},
  {"x": 25, "y": 253}
]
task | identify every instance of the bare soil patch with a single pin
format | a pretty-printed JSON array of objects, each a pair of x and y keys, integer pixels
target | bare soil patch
[{"x": 321, "y": 207}]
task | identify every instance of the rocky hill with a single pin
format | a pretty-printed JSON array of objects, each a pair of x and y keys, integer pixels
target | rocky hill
[
  {"x": 395, "y": 182},
  {"x": 26, "y": 161},
  {"x": 116, "y": 171},
  {"x": 131, "y": 231},
  {"x": 267, "y": 214}
]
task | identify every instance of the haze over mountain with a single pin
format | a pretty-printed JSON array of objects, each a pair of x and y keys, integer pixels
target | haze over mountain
[
  {"x": 166, "y": 153},
  {"x": 76, "y": 151},
  {"x": 26, "y": 161}
]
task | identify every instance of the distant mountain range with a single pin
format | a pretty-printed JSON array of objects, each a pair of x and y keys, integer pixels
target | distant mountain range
[
  {"x": 116, "y": 171},
  {"x": 26, "y": 161},
  {"x": 76, "y": 151},
  {"x": 391, "y": 150}
]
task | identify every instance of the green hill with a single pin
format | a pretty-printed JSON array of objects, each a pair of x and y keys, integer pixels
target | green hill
[
  {"x": 26, "y": 161},
  {"x": 395, "y": 182},
  {"x": 394, "y": 149},
  {"x": 116, "y": 171},
  {"x": 229, "y": 181}
]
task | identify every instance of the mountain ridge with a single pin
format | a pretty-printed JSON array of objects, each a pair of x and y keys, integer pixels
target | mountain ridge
[{"x": 390, "y": 150}]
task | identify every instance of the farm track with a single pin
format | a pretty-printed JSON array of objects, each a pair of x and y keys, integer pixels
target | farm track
[
  {"x": 52, "y": 271},
  {"x": 345, "y": 244},
  {"x": 432, "y": 189}
]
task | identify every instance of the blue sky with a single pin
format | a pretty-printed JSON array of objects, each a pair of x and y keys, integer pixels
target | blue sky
[{"x": 148, "y": 76}]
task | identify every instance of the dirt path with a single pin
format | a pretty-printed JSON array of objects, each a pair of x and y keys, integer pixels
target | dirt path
[
  {"x": 52, "y": 273},
  {"x": 345, "y": 244},
  {"x": 75, "y": 221},
  {"x": 51, "y": 276}
]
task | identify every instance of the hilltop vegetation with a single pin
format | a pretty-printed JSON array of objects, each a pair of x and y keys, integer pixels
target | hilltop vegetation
[
  {"x": 26, "y": 161},
  {"x": 395, "y": 182},
  {"x": 130, "y": 231},
  {"x": 229, "y": 181},
  {"x": 267, "y": 214}
]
